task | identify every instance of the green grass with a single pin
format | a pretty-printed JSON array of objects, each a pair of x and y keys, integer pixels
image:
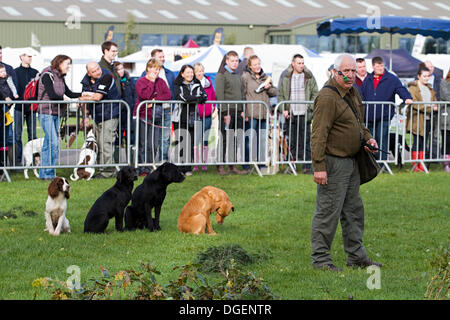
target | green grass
[{"x": 407, "y": 220}]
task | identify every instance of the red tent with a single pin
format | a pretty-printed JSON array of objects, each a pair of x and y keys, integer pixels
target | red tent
[{"x": 191, "y": 44}]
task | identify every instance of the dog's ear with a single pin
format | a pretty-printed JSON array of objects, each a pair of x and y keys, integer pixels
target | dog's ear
[
  {"x": 53, "y": 188},
  {"x": 214, "y": 196}
]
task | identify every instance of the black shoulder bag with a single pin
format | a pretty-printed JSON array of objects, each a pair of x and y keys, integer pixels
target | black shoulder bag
[{"x": 368, "y": 166}]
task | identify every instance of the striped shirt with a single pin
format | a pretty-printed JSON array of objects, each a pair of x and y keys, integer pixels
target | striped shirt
[{"x": 298, "y": 93}]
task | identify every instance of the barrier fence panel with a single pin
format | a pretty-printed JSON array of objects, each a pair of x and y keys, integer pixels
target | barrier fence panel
[
  {"x": 292, "y": 134},
  {"x": 215, "y": 133},
  {"x": 427, "y": 134},
  {"x": 225, "y": 133},
  {"x": 292, "y": 125},
  {"x": 60, "y": 133},
  {"x": 377, "y": 118}
]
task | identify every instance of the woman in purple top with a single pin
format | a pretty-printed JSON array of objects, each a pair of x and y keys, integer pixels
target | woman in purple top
[{"x": 150, "y": 87}]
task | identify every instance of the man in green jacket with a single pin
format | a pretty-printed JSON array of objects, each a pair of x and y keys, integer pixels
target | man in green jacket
[
  {"x": 336, "y": 138},
  {"x": 110, "y": 51},
  {"x": 229, "y": 88},
  {"x": 298, "y": 85}
]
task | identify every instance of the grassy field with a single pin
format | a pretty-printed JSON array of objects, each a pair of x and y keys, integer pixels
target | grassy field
[{"x": 407, "y": 221}]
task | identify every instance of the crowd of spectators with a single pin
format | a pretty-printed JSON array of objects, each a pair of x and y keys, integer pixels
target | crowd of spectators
[{"x": 236, "y": 80}]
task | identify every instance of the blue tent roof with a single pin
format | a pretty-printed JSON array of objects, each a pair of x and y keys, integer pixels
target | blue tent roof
[
  {"x": 436, "y": 28},
  {"x": 403, "y": 64}
]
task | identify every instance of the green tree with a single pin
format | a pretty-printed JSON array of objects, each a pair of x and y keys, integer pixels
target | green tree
[
  {"x": 130, "y": 39},
  {"x": 230, "y": 39}
]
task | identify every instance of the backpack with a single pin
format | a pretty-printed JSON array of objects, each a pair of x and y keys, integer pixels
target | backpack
[
  {"x": 31, "y": 89},
  {"x": 31, "y": 92}
]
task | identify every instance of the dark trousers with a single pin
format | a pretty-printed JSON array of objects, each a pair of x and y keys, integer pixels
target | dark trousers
[
  {"x": 433, "y": 148},
  {"x": 148, "y": 137},
  {"x": 380, "y": 132},
  {"x": 338, "y": 200},
  {"x": 30, "y": 119},
  {"x": 232, "y": 136},
  {"x": 299, "y": 133}
]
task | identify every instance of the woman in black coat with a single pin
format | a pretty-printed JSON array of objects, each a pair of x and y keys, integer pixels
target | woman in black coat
[{"x": 189, "y": 90}]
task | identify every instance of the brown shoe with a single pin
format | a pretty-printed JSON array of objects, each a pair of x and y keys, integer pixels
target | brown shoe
[
  {"x": 221, "y": 171},
  {"x": 235, "y": 170}
]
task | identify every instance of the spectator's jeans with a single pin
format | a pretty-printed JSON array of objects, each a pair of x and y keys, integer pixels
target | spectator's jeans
[
  {"x": 255, "y": 136},
  {"x": 380, "y": 132},
  {"x": 201, "y": 131},
  {"x": 231, "y": 137},
  {"x": 30, "y": 119},
  {"x": 106, "y": 135},
  {"x": 50, "y": 148},
  {"x": 164, "y": 136},
  {"x": 148, "y": 137}
]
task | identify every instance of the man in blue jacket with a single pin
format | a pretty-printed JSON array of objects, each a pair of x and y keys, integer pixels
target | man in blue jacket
[
  {"x": 381, "y": 85},
  {"x": 99, "y": 85}
]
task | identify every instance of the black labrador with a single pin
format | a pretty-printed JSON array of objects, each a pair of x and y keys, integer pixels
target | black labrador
[
  {"x": 150, "y": 194},
  {"x": 111, "y": 203}
]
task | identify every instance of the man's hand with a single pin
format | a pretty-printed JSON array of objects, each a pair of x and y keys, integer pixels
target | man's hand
[
  {"x": 373, "y": 143},
  {"x": 320, "y": 177},
  {"x": 152, "y": 76},
  {"x": 94, "y": 97},
  {"x": 227, "y": 120},
  {"x": 408, "y": 101}
]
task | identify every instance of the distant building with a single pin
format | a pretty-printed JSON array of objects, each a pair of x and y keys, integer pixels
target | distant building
[{"x": 173, "y": 22}]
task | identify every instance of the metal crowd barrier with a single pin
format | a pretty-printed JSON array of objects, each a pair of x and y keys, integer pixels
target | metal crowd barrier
[
  {"x": 240, "y": 141},
  {"x": 293, "y": 135},
  {"x": 387, "y": 138},
  {"x": 170, "y": 131},
  {"x": 426, "y": 135},
  {"x": 73, "y": 129}
]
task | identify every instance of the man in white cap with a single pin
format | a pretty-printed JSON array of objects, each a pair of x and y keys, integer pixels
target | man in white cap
[{"x": 24, "y": 73}]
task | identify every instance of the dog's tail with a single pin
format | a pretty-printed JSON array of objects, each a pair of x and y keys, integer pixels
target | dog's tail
[{"x": 74, "y": 177}]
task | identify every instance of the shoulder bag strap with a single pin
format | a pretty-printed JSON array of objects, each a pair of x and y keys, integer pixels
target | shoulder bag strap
[{"x": 351, "y": 107}]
